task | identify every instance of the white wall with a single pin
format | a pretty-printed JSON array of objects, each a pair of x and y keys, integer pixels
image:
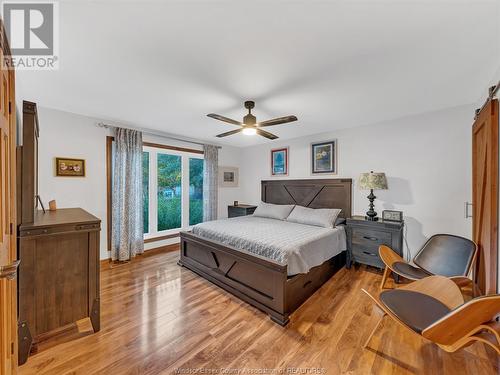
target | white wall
[
  {"x": 70, "y": 135},
  {"x": 427, "y": 159}
]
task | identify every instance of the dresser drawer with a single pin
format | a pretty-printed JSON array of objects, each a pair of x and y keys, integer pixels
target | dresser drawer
[
  {"x": 59, "y": 229},
  {"x": 367, "y": 257},
  {"x": 365, "y": 237},
  {"x": 370, "y": 240}
]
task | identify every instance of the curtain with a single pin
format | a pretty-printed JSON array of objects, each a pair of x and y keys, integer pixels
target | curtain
[
  {"x": 127, "y": 212},
  {"x": 210, "y": 181}
]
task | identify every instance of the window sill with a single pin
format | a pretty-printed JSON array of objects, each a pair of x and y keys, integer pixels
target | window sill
[{"x": 160, "y": 238}]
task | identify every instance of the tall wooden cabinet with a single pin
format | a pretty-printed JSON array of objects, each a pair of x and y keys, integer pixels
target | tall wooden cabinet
[{"x": 59, "y": 253}]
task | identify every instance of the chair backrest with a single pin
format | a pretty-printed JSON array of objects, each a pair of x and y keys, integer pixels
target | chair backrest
[
  {"x": 446, "y": 255},
  {"x": 461, "y": 321}
]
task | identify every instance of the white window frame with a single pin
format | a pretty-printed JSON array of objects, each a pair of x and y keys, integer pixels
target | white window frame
[{"x": 153, "y": 190}]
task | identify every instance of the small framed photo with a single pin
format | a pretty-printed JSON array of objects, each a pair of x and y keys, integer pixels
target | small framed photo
[
  {"x": 324, "y": 157},
  {"x": 279, "y": 162},
  {"x": 66, "y": 167},
  {"x": 228, "y": 177}
]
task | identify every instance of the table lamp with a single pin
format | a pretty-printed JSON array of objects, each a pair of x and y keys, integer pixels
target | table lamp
[{"x": 372, "y": 181}]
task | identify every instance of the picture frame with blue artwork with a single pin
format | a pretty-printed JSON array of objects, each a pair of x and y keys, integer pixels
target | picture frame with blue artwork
[
  {"x": 279, "y": 161},
  {"x": 324, "y": 157}
]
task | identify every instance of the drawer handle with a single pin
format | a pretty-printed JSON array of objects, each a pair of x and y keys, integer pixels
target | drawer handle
[
  {"x": 370, "y": 238},
  {"x": 367, "y": 253},
  {"x": 44, "y": 231},
  {"x": 83, "y": 227}
]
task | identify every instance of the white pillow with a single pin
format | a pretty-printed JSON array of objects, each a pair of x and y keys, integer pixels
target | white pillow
[
  {"x": 320, "y": 217},
  {"x": 273, "y": 211}
]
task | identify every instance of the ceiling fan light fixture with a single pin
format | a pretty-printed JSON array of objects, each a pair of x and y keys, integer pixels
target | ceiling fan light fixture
[
  {"x": 249, "y": 131},
  {"x": 249, "y": 125}
]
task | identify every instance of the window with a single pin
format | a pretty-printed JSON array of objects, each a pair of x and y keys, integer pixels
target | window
[
  {"x": 169, "y": 184},
  {"x": 195, "y": 191},
  {"x": 173, "y": 190},
  {"x": 172, "y": 179},
  {"x": 145, "y": 189}
]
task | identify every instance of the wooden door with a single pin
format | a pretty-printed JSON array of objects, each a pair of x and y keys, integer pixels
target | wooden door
[
  {"x": 8, "y": 256},
  {"x": 485, "y": 195}
]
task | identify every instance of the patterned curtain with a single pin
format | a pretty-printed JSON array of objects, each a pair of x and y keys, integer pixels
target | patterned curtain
[
  {"x": 127, "y": 213},
  {"x": 210, "y": 181}
]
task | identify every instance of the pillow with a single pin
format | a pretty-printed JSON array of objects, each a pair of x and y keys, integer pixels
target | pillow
[
  {"x": 320, "y": 217},
  {"x": 340, "y": 221},
  {"x": 273, "y": 211}
]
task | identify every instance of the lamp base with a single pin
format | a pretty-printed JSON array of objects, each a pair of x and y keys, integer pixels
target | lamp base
[{"x": 371, "y": 215}]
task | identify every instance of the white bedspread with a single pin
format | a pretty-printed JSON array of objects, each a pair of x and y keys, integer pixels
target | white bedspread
[{"x": 300, "y": 246}]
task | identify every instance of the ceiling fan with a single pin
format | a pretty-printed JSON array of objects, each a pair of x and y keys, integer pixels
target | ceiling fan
[{"x": 250, "y": 126}]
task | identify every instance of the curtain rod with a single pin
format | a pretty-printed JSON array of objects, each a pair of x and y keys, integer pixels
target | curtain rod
[{"x": 158, "y": 134}]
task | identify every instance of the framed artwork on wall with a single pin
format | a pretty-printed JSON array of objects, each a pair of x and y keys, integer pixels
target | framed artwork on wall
[
  {"x": 279, "y": 162},
  {"x": 324, "y": 157},
  {"x": 69, "y": 167},
  {"x": 228, "y": 177}
]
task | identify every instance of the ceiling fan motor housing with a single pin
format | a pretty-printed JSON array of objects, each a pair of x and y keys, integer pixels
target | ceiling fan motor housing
[{"x": 249, "y": 119}]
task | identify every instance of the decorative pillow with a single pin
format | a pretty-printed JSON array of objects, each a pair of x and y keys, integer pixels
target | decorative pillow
[
  {"x": 273, "y": 211},
  {"x": 320, "y": 217}
]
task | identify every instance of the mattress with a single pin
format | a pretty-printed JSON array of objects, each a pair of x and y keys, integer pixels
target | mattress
[{"x": 301, "y": 247}]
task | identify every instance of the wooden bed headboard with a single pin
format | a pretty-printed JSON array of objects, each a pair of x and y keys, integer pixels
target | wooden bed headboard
[{"x": 313, "y": 193}]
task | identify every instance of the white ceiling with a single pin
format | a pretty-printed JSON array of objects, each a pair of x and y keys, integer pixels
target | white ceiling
[{"x": 335, "y": 64}]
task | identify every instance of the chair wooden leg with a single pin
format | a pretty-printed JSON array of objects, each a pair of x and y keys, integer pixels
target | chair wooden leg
[
  {"x": 373, "y": 332},
  {"x": 387, "y": 271}
]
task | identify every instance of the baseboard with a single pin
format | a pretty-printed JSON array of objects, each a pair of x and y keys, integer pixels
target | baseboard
[{"x": 151, "y": 252}]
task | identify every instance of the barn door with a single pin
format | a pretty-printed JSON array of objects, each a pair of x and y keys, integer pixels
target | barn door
[
  {"x": 8, "y": 256},
  {"x": 485, "y": 195}
]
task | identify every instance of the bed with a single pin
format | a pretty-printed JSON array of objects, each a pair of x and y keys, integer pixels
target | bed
[{"x": 273, "y": 265}]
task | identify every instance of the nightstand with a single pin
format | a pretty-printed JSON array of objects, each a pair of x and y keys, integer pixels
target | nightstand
[
  {"x": 365, "y": 236},
  {"x": 240, "y": 210}
]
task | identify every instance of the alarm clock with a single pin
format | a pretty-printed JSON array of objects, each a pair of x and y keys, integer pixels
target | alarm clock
[{"x": 390, "y": 215}]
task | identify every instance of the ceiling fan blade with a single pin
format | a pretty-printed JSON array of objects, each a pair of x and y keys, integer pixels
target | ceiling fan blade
[
  {"x": 225, "y": 119},
  {"x": 229, "y": 133},
  {"x": 277, "y": 121},
  {"x": 266, "y": 134}
]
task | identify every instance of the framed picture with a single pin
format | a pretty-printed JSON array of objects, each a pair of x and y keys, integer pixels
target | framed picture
[
  {"x": 324, "y": 157},
  {"x": 228, "y": 177},
  {"x": 279, "y": 162},
  {"x": 66, "y": 167}
]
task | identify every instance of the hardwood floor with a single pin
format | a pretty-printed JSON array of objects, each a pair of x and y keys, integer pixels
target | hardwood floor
[{"x": 158, "y": 318}]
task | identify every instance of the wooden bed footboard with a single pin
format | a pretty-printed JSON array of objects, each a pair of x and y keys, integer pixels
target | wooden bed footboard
[{"x": 256, "y": 280}]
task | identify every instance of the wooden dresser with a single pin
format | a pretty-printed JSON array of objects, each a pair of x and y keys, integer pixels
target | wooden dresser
[
  {"x": 59, "y": 270},
  {"x": 58, "y": 282}
]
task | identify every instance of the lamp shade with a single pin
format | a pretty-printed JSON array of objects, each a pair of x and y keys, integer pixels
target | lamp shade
[{"x": 372, "y": 180}]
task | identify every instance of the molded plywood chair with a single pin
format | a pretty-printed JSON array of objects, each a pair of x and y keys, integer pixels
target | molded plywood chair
[
  {"x": 443, "y": 254},
  {"x": 434, "y": 308}
]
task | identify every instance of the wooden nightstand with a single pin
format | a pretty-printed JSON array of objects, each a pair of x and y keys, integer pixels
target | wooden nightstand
[
  {"x": 240, "y": 210},
  {"x": 364, "y": 237}
]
